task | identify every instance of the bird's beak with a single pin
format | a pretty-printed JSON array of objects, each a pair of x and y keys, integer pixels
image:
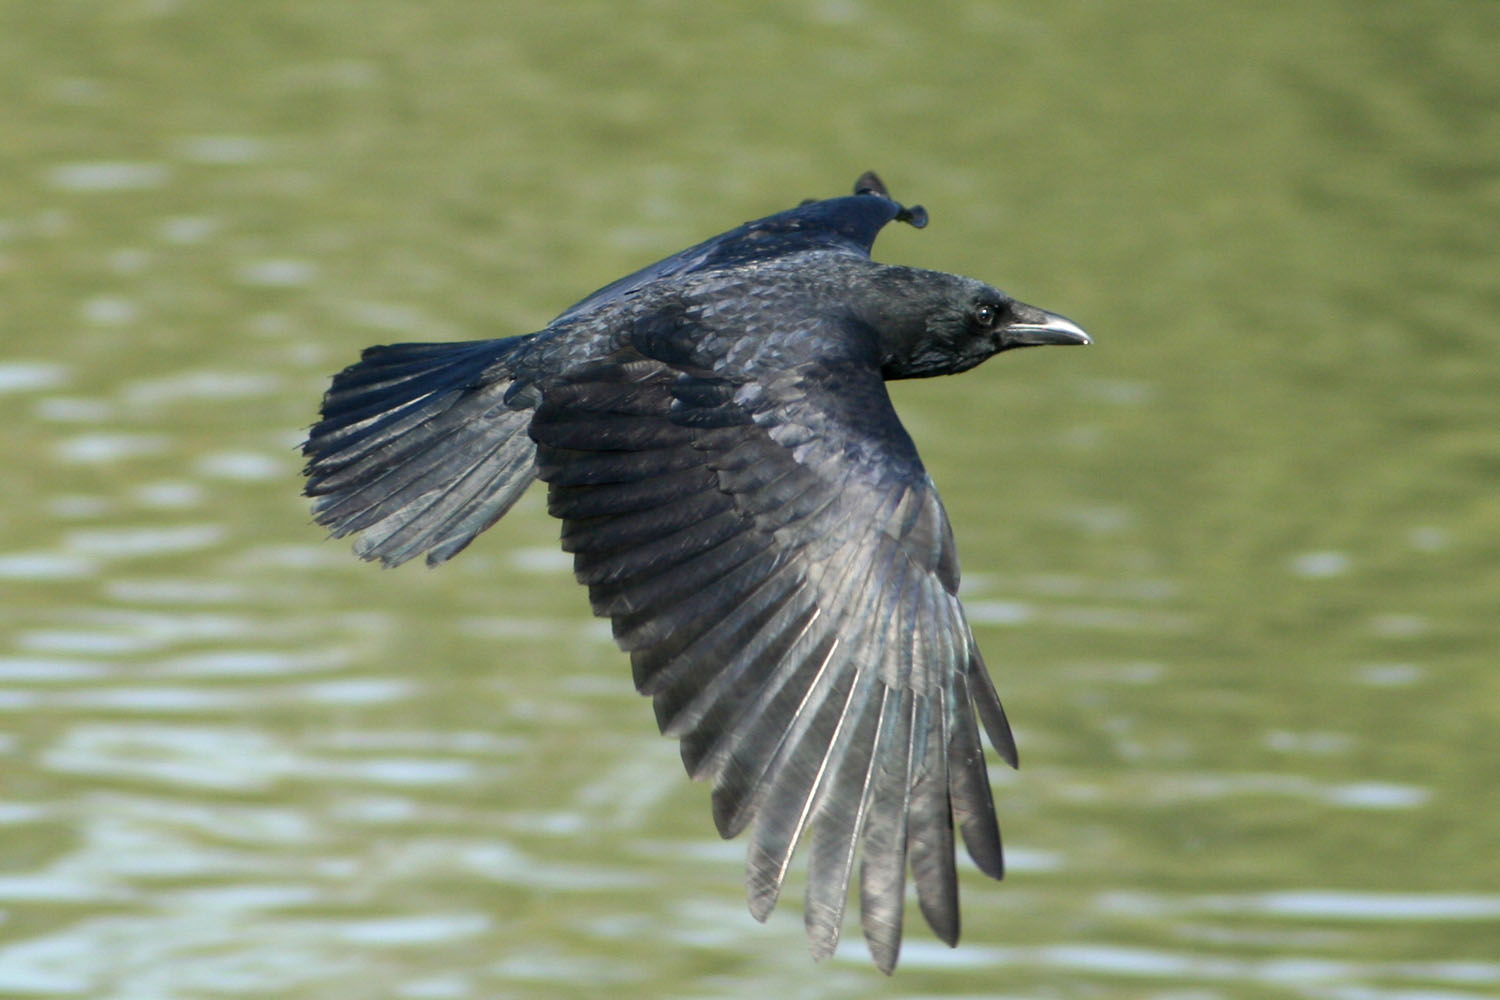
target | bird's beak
[{"x": 1035, "y": 326}]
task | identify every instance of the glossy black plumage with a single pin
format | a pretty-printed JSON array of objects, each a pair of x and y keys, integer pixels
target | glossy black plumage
[{"x": 743, "y": 503}]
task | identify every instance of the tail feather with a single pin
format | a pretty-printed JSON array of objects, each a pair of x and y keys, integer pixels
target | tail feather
[{"x": 417, "y": 450}]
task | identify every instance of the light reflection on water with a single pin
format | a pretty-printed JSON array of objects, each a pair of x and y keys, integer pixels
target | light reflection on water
[
  {"x": 1320, "y": 905},
  {"x": 1305, "y": 975},
  {"x": 29, "y": 376},
  {"x": 230, "y": 759},
  {"x": 108, "y": 176}
]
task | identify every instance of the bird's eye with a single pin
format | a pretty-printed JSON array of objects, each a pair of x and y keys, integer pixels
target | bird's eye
[{"x": 985, "y": 314}]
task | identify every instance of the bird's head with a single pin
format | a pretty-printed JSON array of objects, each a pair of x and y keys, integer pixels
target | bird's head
[{"x": 932, "y": 323}]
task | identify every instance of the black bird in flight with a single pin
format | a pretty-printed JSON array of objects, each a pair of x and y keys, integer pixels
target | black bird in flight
[{"x": 745, "y": 506}]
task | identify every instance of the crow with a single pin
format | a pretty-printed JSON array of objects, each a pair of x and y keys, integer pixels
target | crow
[{"x": 742, "y": 502}]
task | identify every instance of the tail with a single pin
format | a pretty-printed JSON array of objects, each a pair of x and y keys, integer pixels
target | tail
[{"x": 417, "y": 449}]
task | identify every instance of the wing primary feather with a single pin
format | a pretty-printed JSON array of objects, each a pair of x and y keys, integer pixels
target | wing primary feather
[
  {"x": 787, "y": 759},
  {"x": 751, "y": 722},
  {"x": 783, "y": 817},
  {"x": 987, "y": 703},
  {"x": 838, "y": 818},
  {"x": 927, "y": 655},
  {"x": 969, "y": 783},
  {"x": 740, "y": 732},
  {"x": 893, "y": 614},
  {"x": 768, "y": 734},
  {"x": 882, "y": 868},
  {"x": 702, "y": 713},
  {"x": 797, "y": 778},
  {"x": 929, "y": 834}
]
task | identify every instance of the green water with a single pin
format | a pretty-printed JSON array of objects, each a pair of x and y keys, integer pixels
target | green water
[{"x": 1236, "y": 567}]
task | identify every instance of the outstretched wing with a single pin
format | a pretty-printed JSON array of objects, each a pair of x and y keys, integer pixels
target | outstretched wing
[
  {"x": 848, "y": 224},
  {"x": 778, "y": 565}
]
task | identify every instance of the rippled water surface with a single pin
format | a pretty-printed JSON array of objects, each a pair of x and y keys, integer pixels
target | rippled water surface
[{"x": 1235, "y": 568}]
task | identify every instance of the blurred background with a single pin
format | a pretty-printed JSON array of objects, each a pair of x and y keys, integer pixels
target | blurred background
[{"x": 1236, "y": 568}]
